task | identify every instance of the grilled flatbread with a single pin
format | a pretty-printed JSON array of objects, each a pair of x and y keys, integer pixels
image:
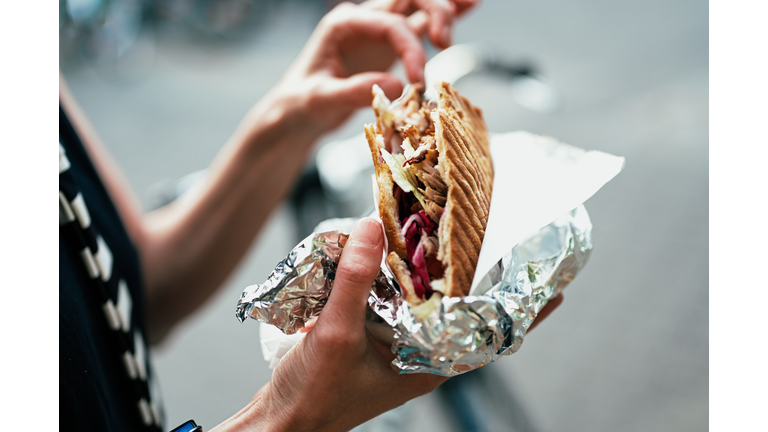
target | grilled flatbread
[{"x": 434, "y": 174}]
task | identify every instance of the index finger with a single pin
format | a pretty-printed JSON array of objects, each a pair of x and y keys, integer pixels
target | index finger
[
  {"x": 352, "y": 22},
  {"x": 441, "y": 14}
]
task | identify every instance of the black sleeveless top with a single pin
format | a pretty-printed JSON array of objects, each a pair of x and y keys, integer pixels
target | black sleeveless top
[{"x": 95, "y": 391}]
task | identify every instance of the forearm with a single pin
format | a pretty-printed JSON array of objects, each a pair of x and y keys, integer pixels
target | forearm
[
  {"x": 190, "y": 246},
  {"x": 262, "y": 414}
]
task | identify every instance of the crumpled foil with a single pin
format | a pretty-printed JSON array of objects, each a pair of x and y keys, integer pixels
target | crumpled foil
[
  {"x": 298, "y": 287},
  {"x": 459, "y": 334}
]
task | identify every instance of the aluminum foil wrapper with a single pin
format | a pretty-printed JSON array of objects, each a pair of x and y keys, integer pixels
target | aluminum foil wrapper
[
  {"x": 298, "y": 287},
  {"x": 444, "y": 336}
]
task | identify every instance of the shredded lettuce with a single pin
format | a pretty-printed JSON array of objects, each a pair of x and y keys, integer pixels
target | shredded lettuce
[
  {"x": 407, "y": 150},
  {"x": 402, "y": 176}
]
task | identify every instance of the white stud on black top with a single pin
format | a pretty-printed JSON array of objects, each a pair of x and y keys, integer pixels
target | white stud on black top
[{"x": 99, "y": 264}]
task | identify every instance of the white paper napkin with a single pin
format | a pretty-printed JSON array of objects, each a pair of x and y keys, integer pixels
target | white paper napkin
[
  {"x": 536, "y": 180},
  {"x": 275, "y": 344}
]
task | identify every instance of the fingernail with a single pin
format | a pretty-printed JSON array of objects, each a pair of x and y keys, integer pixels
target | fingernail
[{"x": 367, "y": 231}]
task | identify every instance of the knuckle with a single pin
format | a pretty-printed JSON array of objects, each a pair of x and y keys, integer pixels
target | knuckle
[
  {"x": 345, "y": 340},
  {"x": 397, "y": 20},
  {"x": 339, "y": 14},
  {"x": 354, "y": 270},
  {"x": 339, "y": 340},
  {"x": 314, "y": 97}
]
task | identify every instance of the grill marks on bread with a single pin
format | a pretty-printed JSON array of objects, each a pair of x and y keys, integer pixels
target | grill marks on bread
[
  {"x": 462, "y": 140},
  {"x": 457, "y": 179}
]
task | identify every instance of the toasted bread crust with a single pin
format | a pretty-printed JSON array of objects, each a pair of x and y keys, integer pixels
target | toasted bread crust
[
  {"x": 466, "y": 167},
  {"x": 386, "y": 200}
]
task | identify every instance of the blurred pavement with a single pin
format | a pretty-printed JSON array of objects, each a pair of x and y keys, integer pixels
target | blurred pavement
[{"x": 628, "y": 349}]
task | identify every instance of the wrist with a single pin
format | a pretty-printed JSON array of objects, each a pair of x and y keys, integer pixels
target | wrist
[
  {"x": 279, "y": 119},
  {"x": 258, "y": 415},
  {"x": 310, "y": 105}
]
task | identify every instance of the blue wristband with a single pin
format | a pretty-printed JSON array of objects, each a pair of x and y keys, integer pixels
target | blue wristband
[{"x": 189, "y": 426}]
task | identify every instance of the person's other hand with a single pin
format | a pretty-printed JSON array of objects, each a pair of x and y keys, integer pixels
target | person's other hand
[{"x": 352, "y": 48}]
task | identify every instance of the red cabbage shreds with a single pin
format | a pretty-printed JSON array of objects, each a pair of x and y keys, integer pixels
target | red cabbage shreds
[
  {"x": 419, "y": 219},
  {"x": 416, "y": 230},
  {"x": 411, "y": 224},
  {"x": 421, "y": 283},
  {"x": 429, "y": 225},
  {"x": 411, "y": 239},
  {"x": 414, "y": 227}
]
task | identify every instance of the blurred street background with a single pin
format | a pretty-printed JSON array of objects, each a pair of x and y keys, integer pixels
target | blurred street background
[{"x": 166, "y": 81}]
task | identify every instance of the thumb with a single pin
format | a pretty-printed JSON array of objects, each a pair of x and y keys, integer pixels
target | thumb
[
  {"x": 356, "y": 90},
  {"x": 358, "y": 267}
]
